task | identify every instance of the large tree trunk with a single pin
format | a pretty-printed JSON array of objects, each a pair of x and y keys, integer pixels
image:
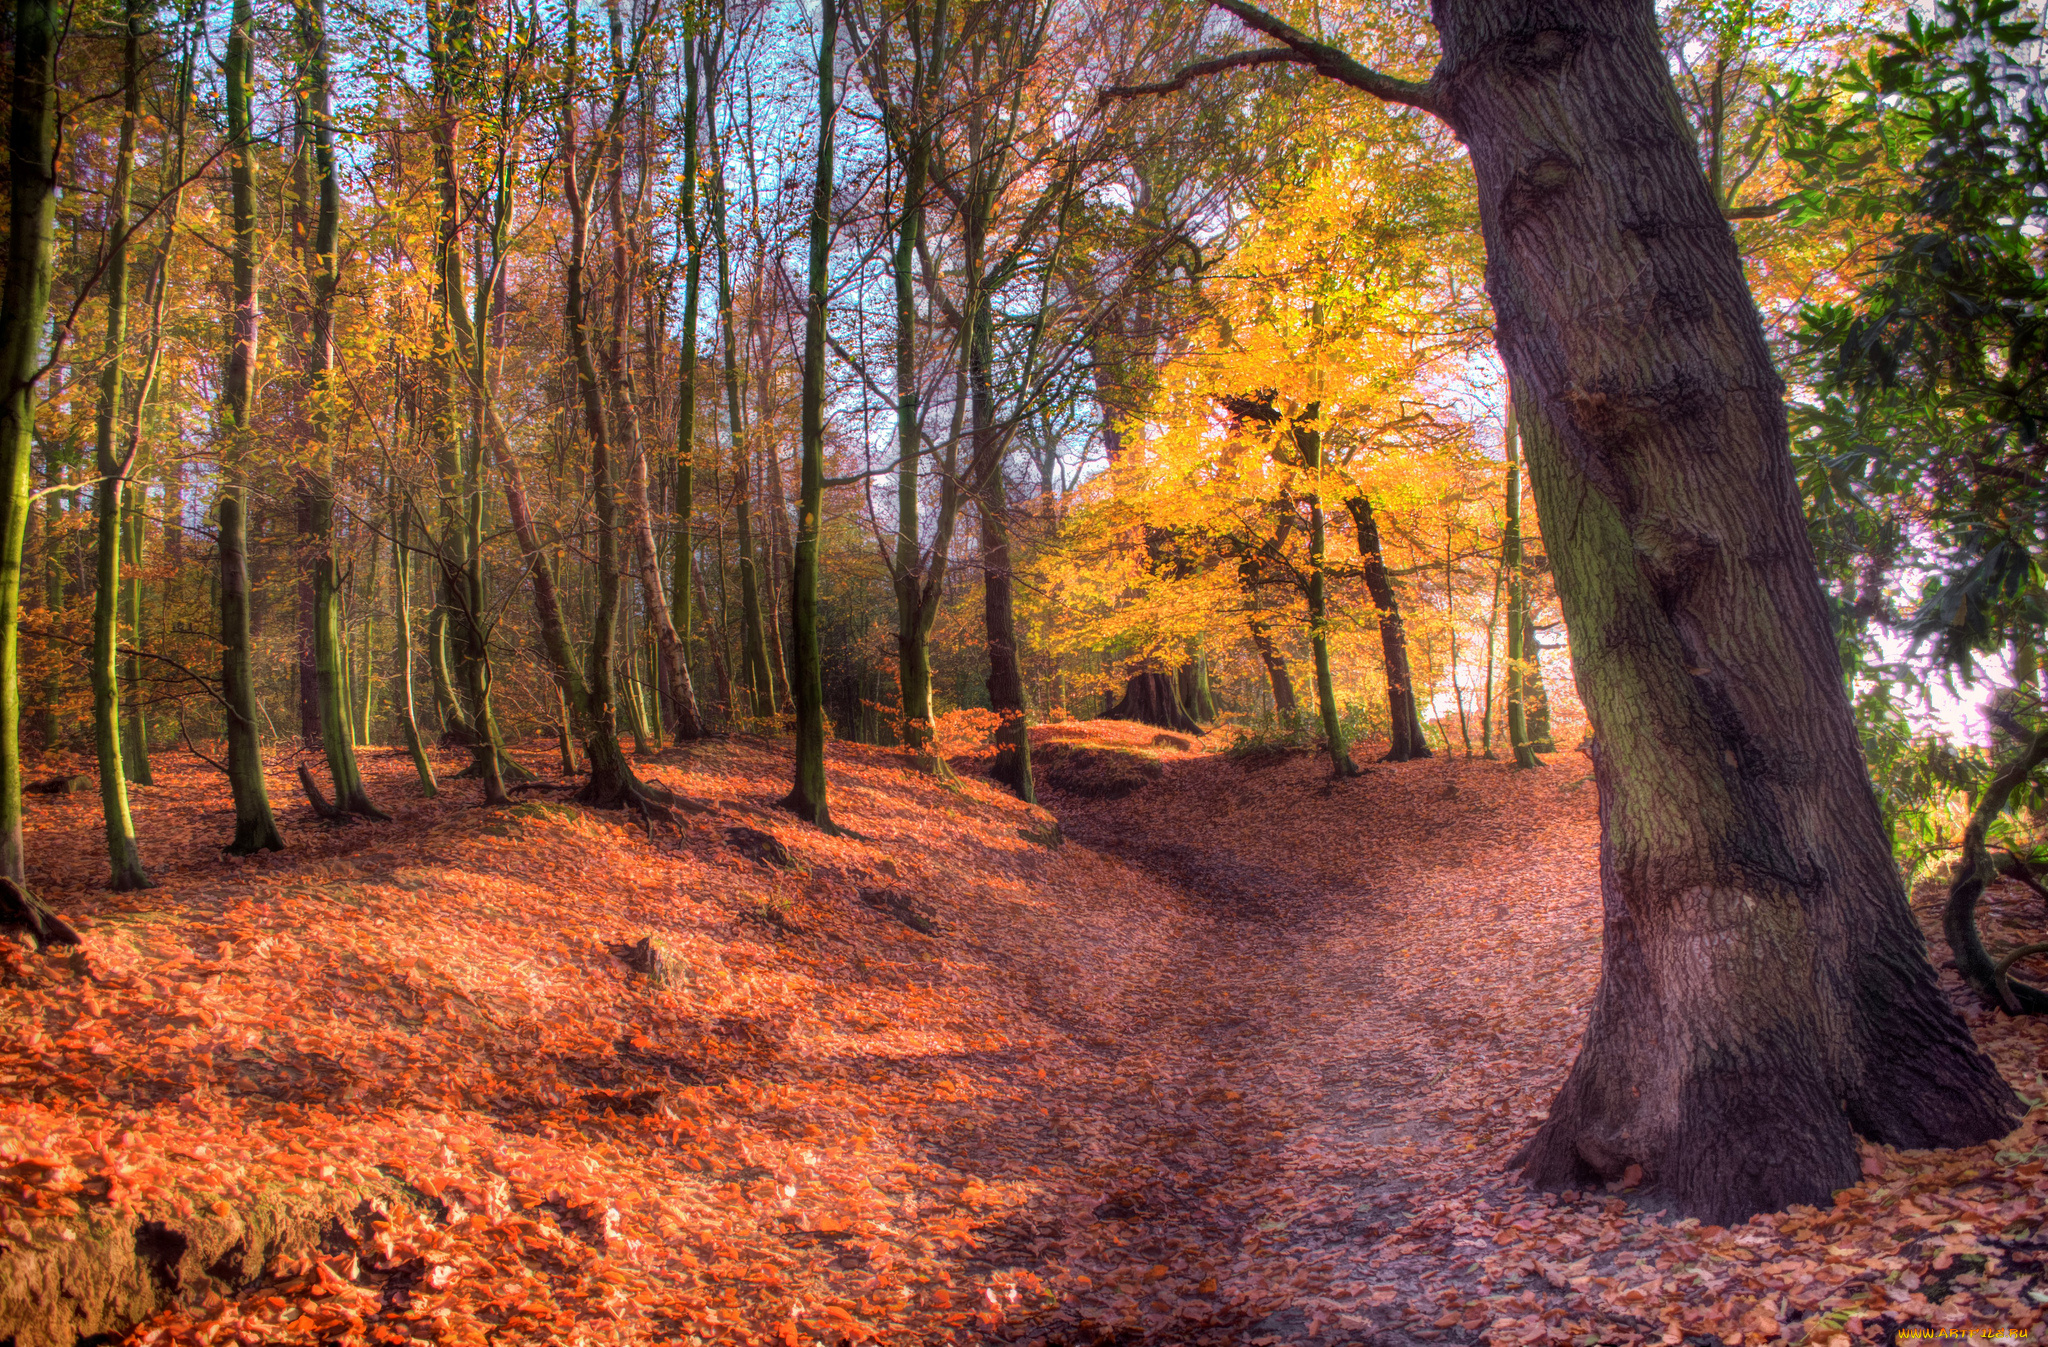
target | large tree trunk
[
  {"x": 1407, "y": 739},
  {"x": 1153, "y": 698},
  {"x": 1765, "y": 993}
]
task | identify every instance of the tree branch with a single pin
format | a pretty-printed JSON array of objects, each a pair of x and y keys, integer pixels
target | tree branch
[
  {"x": 1188, "y": 74},
  {"x": 1333, "y": 63},
  {"x": 1763, "y": 210}
]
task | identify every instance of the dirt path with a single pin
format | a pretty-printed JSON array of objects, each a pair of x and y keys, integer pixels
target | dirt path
[{"x": 1320, "y": 1086}]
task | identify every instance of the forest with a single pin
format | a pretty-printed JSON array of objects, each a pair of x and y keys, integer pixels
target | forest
[{"x": 1043, "y": 671}]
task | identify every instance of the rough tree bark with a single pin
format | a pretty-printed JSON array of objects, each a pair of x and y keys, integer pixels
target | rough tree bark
[{"x": 1765, "y": 993}]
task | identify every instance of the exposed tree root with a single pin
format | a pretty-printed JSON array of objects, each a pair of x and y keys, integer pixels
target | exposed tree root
[
  {"x": 2015, "y": 866},
  {"x": 512, "y": 772},
  {"x": 621, "y": 789},
  {"x": 22, "y": 911},
  {"x": 1973, "y": 873},
  {"x": 322, "y": 807},
  {"x": 338, "y": 811}
]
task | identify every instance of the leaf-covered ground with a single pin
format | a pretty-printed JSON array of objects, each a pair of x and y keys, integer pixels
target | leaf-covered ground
[{"x": 1242, "y": 1061}]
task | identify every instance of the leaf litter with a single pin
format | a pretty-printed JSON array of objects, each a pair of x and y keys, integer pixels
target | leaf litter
[{"x": 1241, "y": 1062}]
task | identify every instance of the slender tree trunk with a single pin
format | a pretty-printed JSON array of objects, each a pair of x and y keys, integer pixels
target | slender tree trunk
[
  {"x": 332, "y": 691},
  {"x": 688, "y": 721},
  {"x": 1310, "y": 443},
  {"x": 1518, "y": 605},
  {"x": 255, "y": 829},
  {"x": 1486, "y": 697},
  {"x": 721, "y": 678},
  {"x": 1451, "y": 631},
  {"x": 308, "y": 621},
  {"x": 1284, "y": 707},
  {"x": 1765, "y": 992},
  {"x": 1535, "y": 697},
  {"x": 362, "y": 667},
  {"x": 918, "y": 582},
  {"x": 806, "y": 797},
  {"x": 124, "y": 858},
  {"x": 1012, "y": 763},
  {"x": 135, "y": 748},
  {"x": 759, "y": 676},
  {"x": 401, "y": 679},
  {"x": 612, "y": 783},
  {"x": 135, "y": 739},
  {"x": 1408, "y": 739},
  {"x": 31, "y": 225},
  {"x": 672, "y": 663},
  {"x": 53, "y": 591}
]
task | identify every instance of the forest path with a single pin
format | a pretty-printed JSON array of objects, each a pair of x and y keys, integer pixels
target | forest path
[{"x": 1323, "y": 1083}]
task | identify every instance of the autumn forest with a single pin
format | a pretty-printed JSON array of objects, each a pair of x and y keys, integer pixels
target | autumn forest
[{"x": 1042, "y": 671}]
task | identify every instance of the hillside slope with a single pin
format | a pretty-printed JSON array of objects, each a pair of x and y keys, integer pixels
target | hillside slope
[{"x": 1240, "y": 1061}]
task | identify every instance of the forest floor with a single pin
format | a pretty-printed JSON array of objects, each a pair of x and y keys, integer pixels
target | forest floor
[{"x": 1242, "y": 1061}]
